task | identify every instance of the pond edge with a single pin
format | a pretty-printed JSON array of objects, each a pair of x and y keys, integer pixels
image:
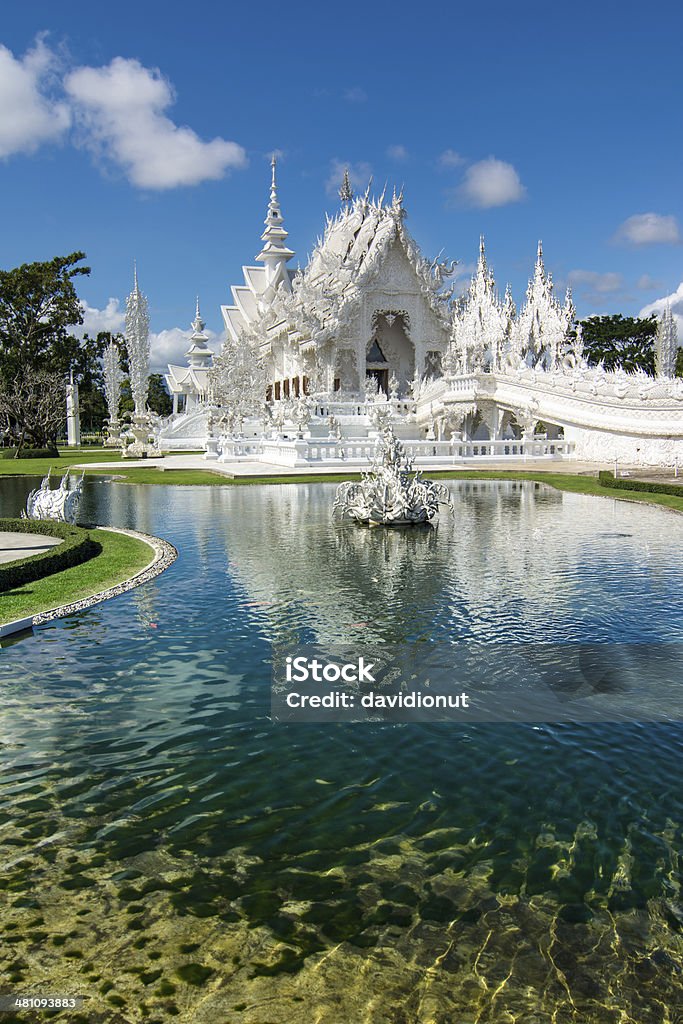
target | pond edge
[{"x": 164, "y": 555}]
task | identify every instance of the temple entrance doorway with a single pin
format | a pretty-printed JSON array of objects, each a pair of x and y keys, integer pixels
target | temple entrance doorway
[
  {"x": 390, "y": 352},
  {"x": 376, "y": 365}
]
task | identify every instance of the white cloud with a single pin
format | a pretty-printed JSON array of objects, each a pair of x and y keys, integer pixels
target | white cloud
[
  {"x": 398, "y": 153},
  {"x": 121, "y": 110},
  {"x": 646, "y": 283},
  {"x": 449, "y": 158},
  {"x": 171, "y": 344},
  {"x": 29, "y": 112},
  {"x": 649, "y": 229},
  {"x": 594, "y": 282},
  {"x": 490, "y": 183},
  {"x": 462, "y": 275},
  {"x": 359, "y": 173},
  {"x": 111, "y": 318},
  {"x": 675, "y": 301},
  {"x": 166, "y": 346},
  {"x": 355, "y": 95}
]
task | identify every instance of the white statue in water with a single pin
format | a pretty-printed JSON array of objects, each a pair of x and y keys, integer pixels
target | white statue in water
[
  {"x": 390, "y": 493},
  {"x": 61, "y": 503}
]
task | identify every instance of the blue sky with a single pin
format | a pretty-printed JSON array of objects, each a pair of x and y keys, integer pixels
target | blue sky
[{"x": 144, "y": 130}]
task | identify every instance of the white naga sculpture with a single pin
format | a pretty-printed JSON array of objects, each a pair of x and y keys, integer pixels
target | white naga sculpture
[
  {"x": 388, "y": 495},
  {"x": 61, "y": 503}
]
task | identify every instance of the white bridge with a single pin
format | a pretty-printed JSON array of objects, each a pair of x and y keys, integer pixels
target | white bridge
[{"x": 630, "y": 417}]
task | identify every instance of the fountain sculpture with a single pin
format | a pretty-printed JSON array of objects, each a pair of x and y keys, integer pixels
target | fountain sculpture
[
  {"x": 60, "y": 503},
  {"x": 390, "y": 492}
]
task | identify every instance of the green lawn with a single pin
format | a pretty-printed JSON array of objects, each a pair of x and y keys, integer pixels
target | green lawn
[
  {"x": 121, "y": 557},
  {"x": 67, "y": 457},
  {"x": 142, "y": 475}
]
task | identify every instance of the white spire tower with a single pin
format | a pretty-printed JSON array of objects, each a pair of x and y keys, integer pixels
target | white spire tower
[
  {"x": 137, "y": 344},
  {"x": 275, "y": 253},
  {"x": 113, "y": 376},
  {"x": 666, "y": 345},
  {"x": 198, "y": 355}
]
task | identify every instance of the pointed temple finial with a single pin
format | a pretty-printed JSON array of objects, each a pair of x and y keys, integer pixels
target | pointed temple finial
[
  {"x": 274, "y": 253},
  {"x": 539, "y": 253},
  {"x": 346, "y": 191},
  {"x": 273, "y": 205},
  {"x": 198, "y": 324},
  {"x": 135, "y": 276}
]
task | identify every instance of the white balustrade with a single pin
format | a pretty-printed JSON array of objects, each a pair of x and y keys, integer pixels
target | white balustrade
[{"x": 358, "y": 451}]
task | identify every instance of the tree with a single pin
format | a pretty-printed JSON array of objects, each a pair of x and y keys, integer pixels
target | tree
[
  {"x": 32, "y": 407},
  {"x": 158, "y": 398},
  {"x": 38, "y": 306},
  {"x": 620, "y": 342}
]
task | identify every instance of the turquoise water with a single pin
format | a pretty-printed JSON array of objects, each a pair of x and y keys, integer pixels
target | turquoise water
[{"x": 169, "y": 853}]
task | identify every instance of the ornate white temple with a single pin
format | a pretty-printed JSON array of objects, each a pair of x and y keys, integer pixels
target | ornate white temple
[{"x": 369, "y": 333}]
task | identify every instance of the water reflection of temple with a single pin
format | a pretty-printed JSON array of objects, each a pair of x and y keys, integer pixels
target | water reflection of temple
[
  {"x": 515, "y": 561},
  {"x": 505, "y": 549}
]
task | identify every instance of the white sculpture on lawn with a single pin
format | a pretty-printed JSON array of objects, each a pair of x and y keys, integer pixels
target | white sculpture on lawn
[
  {"x": 138, "y": 348},
  {"x": 237, "y": 385},
  {"x": 113, "y": 377}
]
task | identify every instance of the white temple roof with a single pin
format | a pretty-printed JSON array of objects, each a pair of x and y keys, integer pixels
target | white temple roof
[{"x": 187, "y": 379}]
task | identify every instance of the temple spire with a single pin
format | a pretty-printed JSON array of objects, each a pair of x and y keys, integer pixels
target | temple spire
[
  {"x": 345, "y": 191},
  {"x": 137, "y": 343},
  {"x": 198, "y": 355},
  {"x": 666, "y": 344},
  {"x": 539, "y": 257},
  {"x": 275, "y": 254},
  {"x": 198, "y": 323},
  {"x": 482, "y": 255}
]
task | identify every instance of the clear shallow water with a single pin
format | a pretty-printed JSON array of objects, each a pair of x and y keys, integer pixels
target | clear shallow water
[{"x": 162, "y": 837}]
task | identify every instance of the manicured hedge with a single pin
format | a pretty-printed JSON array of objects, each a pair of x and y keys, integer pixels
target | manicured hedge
[
  {"x": 624, "y": 484},
  {"x": 77, "y": 546},
  {"x": 29, "y": 453}
]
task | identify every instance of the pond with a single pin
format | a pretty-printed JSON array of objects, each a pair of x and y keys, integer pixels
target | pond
[{"x": 171, "y": 853}]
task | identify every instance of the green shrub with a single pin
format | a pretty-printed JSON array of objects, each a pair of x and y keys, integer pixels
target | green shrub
[
  {"x": 29, "y": 453},
  {"x": 607, "y": 479},
  {"x": 77, "y": 547}
]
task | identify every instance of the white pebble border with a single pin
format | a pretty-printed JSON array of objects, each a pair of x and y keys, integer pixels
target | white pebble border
[{"x": 164, "y": 555}]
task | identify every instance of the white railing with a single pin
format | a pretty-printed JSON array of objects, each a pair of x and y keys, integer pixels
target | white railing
[
  {"x": 330, "y": 451},
  {"x": 325, "y": 409},
  {"x": 534, "y": 449}
]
